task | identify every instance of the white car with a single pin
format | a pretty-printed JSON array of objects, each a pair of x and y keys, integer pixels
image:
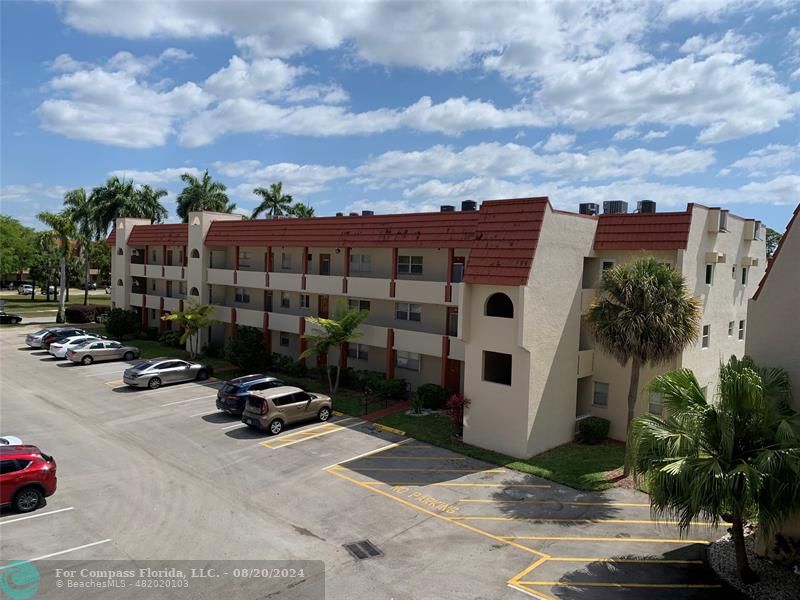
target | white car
[
  {"x": 60, "y": 349},
  {"x": 10, "y": 440},
  {"x": 25, "y": 289}
]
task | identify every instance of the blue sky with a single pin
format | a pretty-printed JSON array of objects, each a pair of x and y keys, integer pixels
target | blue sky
[{"x": 398, "y": 106}]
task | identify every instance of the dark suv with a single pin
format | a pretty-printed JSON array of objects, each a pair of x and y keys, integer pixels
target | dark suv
[
  {"x": 59, "y": 335},
  {"x": 232, "y": 396}
]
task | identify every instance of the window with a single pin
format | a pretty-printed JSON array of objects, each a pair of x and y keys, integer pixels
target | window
[
  {"x": 656, "y": 405},
  {"x": 195, "y": 253},
  {"x": 356, "y": 304},
  {"x": 120, "y": 252},
  {"x": 741, "y": 330},
  {"x": 113, "y": 345},
  {"x": 407, "y": 360},
  {"x": 286, "y": 261},
  {"x": 706, "y": 336},
  {"x": 358, "y": 351},
  {"x": 96, "y": 346},
  {"x": 497, "y": 367},
  {"x": 242, "y": 295},
  {"x": 709, "y": 274},
  {"x": 169, "y": 289},
  {"x": 244, "y": 259},
  {"x": 194, "y": 292},
  {"x": 119, "y": 282},
  {"x": 360, "y": 263},
  {"x": 285, "y": 300},
  {"x": 730, "y": 328},
  {"x": 153, "y": 257},
  {"x": 499, "y": 305},
  {"x": 600, "y": 397},
  {"x": 305, "y": 301},
  {"x": 408, "y": 312},
  {"x": 457, "y": 272},
  {"x": 607, "y": 264},
  {"x": 284, "y": 340},
  {"x": 744, "y": 275},
  {"x": 12, "y": 466},
  {"x": 409, "y": 265}
]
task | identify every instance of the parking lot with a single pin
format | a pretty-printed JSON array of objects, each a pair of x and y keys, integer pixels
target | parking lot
[{"x": 163, "y": 475}]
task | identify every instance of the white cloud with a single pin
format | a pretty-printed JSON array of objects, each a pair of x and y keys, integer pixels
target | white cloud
[
  {"x": 23, "y": 192},
  {"x": 558, "y": 142},
  {"x": 771, "y": 158},
  {"x": 297, "y": 180},
  {"x": 709, "y": 45},
  {"x": 625, "y": 133},
  {"x": 242, "y": 79},
  {"x": 383, "y": 207},
  {"x": 655, "y": 135},
  {"x": 159, "y": 177}
]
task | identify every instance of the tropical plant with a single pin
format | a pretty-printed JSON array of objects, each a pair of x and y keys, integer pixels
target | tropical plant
[
  {"x": 202, "y": 194},
  {"x": 192, "y": 320},
  {"x": 735, "y": 458},
  {"x": 17, "y": 245},
  {"x": 82, "y": 213},
  {"x": 772, "y": 241},
  {"x": 299, "y": 209},
  {"x": 45, "y": 265},
  {"x": 246, "y": 350},
  {"x": 148, "y": 201},
  {"x": 119, "y": 198},
  {"x": 273, "y": 201},
  {"x": 121, "y": 322},
  {"x": 643, "y": 313},
  {"x": 64, "y": 231},
  {"x": 333, "y": 333}
]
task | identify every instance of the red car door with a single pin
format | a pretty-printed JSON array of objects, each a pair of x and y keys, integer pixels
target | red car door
[{"x": 10, "y": 478}]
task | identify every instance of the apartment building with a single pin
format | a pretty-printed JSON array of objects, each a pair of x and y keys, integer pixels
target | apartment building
[{"x": 488, "y": 302}]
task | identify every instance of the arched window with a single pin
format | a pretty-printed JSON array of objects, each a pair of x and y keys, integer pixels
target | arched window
[
  {"x": 119, "y": 252},
  {"x": 195, "y": 253},
  {"x": 194, "y": 292},
  {"x": 119, "y": 282},
  {"x": 499, "y": 305}
]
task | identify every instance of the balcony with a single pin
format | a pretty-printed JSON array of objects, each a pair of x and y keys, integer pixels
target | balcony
[
  {"x": 220, "y": 276},
  {"x": 137, "y": 270},
  {"x": 251, "y": 279},
  {"x": 425, "y": 292},
  {"x": 288, "y": 282},
  {"x": 372, "y": 335},
  {"x": 250, "y": 318},
  {"x": 585, "y": 363},
  {"x": 153, "y": 301},
  {"x": 456, "y": 294},
  {"x": 222, "y": 314},
  {"x": 135, "y": 299},
  {"x": 415, "y": 341},
  {"x": 323, "y": 284},
  {"x": 456, "y": 349},
  {"x": 170, "y": 304},
  {"x": 587, "y": 295},
  {"x": 173, "y": 272},
  {"x": 282, "y": 322},
  {"x": 367, "y": 287}
]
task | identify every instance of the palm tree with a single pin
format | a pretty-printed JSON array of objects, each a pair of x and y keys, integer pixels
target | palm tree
[
  {"x": 202, "y": 194},
  {"x": 82, "y": 213},
  {"x": 643, "y": 313},
  {"x": 119, "y": 198},
  {"x": 149, "y": 202},
  {"x": 64, "y": 231},
  {"x": 301, "y": 210},
  {"x": 335, "y": 333},
  {"x": 733, "y": 459},
  {"x": 192, "y": 320},
  {"x": 274, "y": 202}
]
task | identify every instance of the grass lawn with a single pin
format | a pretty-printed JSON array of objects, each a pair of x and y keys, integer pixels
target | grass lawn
[
  {"x": 40, "y": 307},
  {"x": 576, "y": 465}
]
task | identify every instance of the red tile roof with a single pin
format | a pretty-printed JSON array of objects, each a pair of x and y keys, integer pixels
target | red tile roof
[
  {"x": 175, "y": 234},
  {"x": 111, "y": 240},
  {"x": 638, "y": 231},
  {"x": 772, "y": 260},
  {"x": 501, "y": 236}
]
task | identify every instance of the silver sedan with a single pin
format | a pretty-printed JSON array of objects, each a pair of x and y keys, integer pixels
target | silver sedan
[
  {"x": 96, "y": 350},
  {"x": 156, "y": 372}
]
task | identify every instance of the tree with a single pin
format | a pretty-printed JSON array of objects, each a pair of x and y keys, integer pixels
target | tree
[
  {"x": 149, "y": 202},
  {"x": 192, "y": 320},
  {"x": 734, "y": 459},
  {"x": 64, "y": 231},
  {"x": 333, "y": 333},
  {"x": 17, "y": 246},
  {"x": 643, "y": 313},
  {"x": 82, "y": 213},
  {"x": 119, "y": 198},
  {"x": 202, "y": 194},
  {"x": 301, "y": 210},
  {"x": 100, "y": 259},
  {"x": 273, "y": 201},
  {"x": 773, "y": 238},
  {"x": 45, "y": 265}
]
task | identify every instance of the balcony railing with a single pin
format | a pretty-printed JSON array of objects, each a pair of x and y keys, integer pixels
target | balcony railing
[
  {"x": 137, "y": 270},
  {"x": 416, "y": 341},
  {"x": 135, "y": 299},
  {"x": 323, "y": 284},
  {"x": 250, "y": 318},
  {"x": 220, "y": 276},
  {"x": 456, "y": 349}
]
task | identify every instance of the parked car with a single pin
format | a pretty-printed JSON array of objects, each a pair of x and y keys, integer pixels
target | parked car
[
  {"x": 27, "y": 476},
  {"x": 51, "y": 289},
  {"x": 25, "y": 288},
  {"x": 35, "y": 340},
  {"x": 156, "y": 372},
  {"x": 61, "y": 334},
  {"x": 90, "y": 286},
  {"x": 108, "y": 289},
  {"x": 273, "y": 409},
  {"x": 8, "y": 318},
  {"x": 98, "y": 350},
  {"x": 59, "y": 348},
  {"x": 232, "y": 396},
  {"x": 10, "y": 440}
]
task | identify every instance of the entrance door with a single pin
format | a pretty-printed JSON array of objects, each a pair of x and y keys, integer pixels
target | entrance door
[
  {"x": 324, "y": 264},
  {"x": 452, "y": 376},
  {"x": 322, "y": 308},
  {"x": 457, "y": 275}
]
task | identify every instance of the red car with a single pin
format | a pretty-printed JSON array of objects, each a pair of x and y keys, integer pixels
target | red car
[{"x": 27, "y": 475}]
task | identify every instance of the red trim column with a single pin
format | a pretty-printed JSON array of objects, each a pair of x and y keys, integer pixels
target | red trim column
[
  {"x": 303, "y": 342},
  {"x": 448, "y": 289},
  {"x": 343, "y": 350},
  {"x": 394, "y": 273},
  {"x": 390, "y": 353},
  {"x": 144, "y": 310},
  {"x": 161, "y": 322},
  {"x": 305, "y": 268},
  {"x": 163, "y": 260},
  {"x": 346, "y": 269},
  {"x": 236, "y": 265},
  {"x": 445, "y": 354},
  {"x": 267, "y": 334},
  {"x": 267, "y": 266},
  {"x": 234, "y": 326}
]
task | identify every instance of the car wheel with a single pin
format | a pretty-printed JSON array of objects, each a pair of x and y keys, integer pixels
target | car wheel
[
  {"x": 202, "y": 375},
  {"x": 27, "y": 499},
  {"x": 87, "y": 360},
  {"x": 276, "y": 427},
  {"x": 18, "y": 320},
  {"x": 154, "y": 383},
  {"x": 324, "y": 413},
  {"x": 128, "y": 356}
]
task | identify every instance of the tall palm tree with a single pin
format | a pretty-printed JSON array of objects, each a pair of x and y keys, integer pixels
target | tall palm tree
[
  {"x": 301, "y": 210},
  {"x": 643, "y": 313},
  {"x": 149, "y": 202},
  {"x": 333, "y": 333},
  {"x": 273, "y": 201},
  {"x": 82, "y": 213},
  {"x": 202, "y": 194},
  {"x": 119, "y": 198},
  {"x": 64, "y": 231},
  {"x": 735, "y": 458}
]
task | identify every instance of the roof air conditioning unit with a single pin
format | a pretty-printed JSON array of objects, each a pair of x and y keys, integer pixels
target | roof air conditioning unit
[
  {"x": 469, "y": 205},
  {"x": 353, "y": 214},
  {"x": 367, "y": 213},
  {"x": 588, "y": 208},
  {"x": 646, "y": 206},
  {"x": 447, "y": 208},
  {"x": 615, "y": 207}
]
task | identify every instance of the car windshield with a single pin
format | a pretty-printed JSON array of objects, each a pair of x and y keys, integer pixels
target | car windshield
[
  {"x": 142, "y": 365},
  {"x": 230, "y": 388},
  {"x": 41, "y": 332}
]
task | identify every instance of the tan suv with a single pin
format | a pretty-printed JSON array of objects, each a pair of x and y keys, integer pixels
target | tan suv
[{"x": 275, "y": 408}]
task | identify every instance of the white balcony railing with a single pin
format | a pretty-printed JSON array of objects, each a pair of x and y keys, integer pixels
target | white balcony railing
[
  {"x": 368, "y": 287},
  {"x": 137, "y": 270},
  {"x": 222, "y": 314},
  {"x": 456, "y": 349},
  {"x": 426, "y": 292},
  {"x": 372, "y": 335},
  {"x": 286, "y": 323},
  {"x": 585, "y": 363},
  {"x": 220, "y": 276},
  {"x": 135, "y": 299},
  {"x": 171, "y": 304},
  {"x": 153, "y": 301},
  {"x": 323, "y": 284},
  {"x": 250, "y": 318},
  {"x": 416, "y": 341},
  {"x": 289, "y": 282},
  {"x": 251, "y": 279},
  {"x": 173, "y": 272}
]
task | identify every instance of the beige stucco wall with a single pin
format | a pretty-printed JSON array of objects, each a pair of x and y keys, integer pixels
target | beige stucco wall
[{"x": 120, "y": 263}]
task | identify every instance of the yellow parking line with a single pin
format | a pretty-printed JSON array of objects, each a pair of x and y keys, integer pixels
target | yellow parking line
[
  {"x": 527, "y": 570},
  {"x": 644, "y": 561},
  {"x": 603, "y": 539},
  {"x": 503, "y": 485},
  {"x": 412, "y": 469},
  {"x": 389, "y": 429},
  {"x": 580, "y": 520},
  {"x": 554, "y": 502},
  {"x": 328, "y": 429},
  {"x": 114, "y": 383},
  {"x": 338, "y": 473},
  {"x": 416, "y": 457},
  {"x": 532, "y": 593},
  {"x": 691, "y": 586}
]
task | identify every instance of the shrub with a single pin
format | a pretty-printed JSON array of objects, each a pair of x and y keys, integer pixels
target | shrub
[
  {"x": 455, "y": 410},
  {"x": 121, "y": 323},
  {"x": 245, "y": 349},
  {"x": 593, "y": 430},
  {"x": 213, "y": 351},
  {"x": 151, "y": 333},
  {"x": 416, "y": 403},
  {"x": 432, "y": 396},
  {"x": 84, "y": 313},
  {"x": 171, "y": 338},
  {"x": 392, "y": 389}
]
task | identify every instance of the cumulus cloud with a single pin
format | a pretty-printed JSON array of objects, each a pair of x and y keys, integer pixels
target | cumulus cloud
[
  {"x": 769, "y": 159},
  {"x": 241, "y": 79},
  {"x": 708, "y": 45},
  {"x": 655, "y": 135},
  {"x": 158, "y": 177},
  {"x": 559, "y": 141}
]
